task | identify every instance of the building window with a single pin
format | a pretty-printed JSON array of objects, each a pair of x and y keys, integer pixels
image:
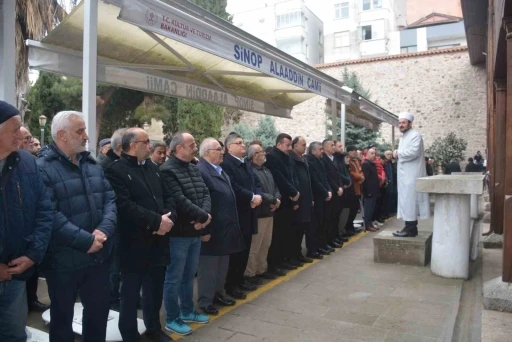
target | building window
[
  {"x": 377, "y": 3},
  {"x": 341, "y": 10},
  {"x": 407, "y": 49},
  {"x": 443, "y": 46},
  {"x": 289, "y": 19},
  {"x": 341, "y": 39},
  {"x": 367, "y": 5},
  {"x": 366, "y": 32}
]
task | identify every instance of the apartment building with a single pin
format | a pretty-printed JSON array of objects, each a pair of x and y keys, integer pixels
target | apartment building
[{"x": 288, "y": 25}]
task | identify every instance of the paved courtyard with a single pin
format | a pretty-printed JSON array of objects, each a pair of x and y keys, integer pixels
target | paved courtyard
[{"x": 345, "y": 297}]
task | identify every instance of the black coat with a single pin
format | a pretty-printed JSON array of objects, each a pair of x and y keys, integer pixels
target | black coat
[
  {"x": 108, "y": 159},
  {"x": 245, "y": 185},
  {"x": 333, "y": 175},
  {"x": 472, "y": 167},
  {"x": 339, "y": 159},
  {"x": 452, "y": 167},
  {"x": 226, "y": 235},
  {"x": 371, "y": 187},
  {"x": 270, "y": 191},
  {"x": 301, "y": 170},
  {"x": 142, "y": 199},
  {"x": 190, "y": 194},
  {"x": 279, "y": 164},
  {"x": 319, "y": 183}
]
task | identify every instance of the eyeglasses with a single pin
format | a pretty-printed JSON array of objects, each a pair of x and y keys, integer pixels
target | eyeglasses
[
  {"x": 239, "y": 143},
  {"x": 143, "y": 141},
  {"x": 218, "y": 149},
  {"x": 29, "y": 138}
]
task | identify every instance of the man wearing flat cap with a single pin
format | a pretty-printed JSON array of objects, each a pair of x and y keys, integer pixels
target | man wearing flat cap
[
  {"x": 411, "y": 166},
  {"x": 26, "y": 219},
  {"x": 104, "y": 147}
]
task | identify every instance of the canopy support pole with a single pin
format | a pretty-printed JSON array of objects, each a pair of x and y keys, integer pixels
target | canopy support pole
[
  {"x": 90, "y": 71},
  {"x": 393, "y": 137},
  {"x": 342, "y": 125},
  {"x": 334, "y": 119},
  {"x": 7, "y": 52}
]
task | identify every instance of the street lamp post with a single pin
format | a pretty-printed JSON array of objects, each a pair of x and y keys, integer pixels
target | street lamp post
[{"x": 42, "y": 123}]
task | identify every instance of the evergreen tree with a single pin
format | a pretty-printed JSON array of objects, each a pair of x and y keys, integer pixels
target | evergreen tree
[
  {"x": 354, "y": 134},
  {"x": 266, "y": 131},
  {"x": 445, "y": 149}
]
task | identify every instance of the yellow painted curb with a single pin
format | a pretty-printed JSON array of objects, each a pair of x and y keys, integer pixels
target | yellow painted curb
[{"x": 266, "y": 287}]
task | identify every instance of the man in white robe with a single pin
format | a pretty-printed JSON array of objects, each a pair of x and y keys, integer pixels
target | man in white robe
[{"x": 411, "y": 166}]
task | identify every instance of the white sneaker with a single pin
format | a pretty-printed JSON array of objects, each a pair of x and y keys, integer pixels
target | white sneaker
[
  {"x": 357, "y": 225},
  {"x": 377, "y": 223}
]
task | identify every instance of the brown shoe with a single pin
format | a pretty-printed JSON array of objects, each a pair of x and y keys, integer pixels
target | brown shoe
[{"x": 370, "y": 229}]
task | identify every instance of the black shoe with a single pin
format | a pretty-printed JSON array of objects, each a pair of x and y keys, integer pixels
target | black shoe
[
  {"x": 267, "y": 275},
  {"x": 223, "y": 300},
  {"x": 413, "y": 233},
  {"x": 304, "y": 259},
  {"x": 210, "y": 310},
  {"x": 253, "y": 280},
  {"x": 37, "y": 306},
  {"x": 296, "y": 262},
  {"x": 236, "y": 293},
  {"x": 341, "y": 240},
  {"x": 316, "y": 255},
  {"x": 287, "y": 266},
  {"x": 335, "y": 245},
  {"x": 277, "y": 271},
  {"x": 324, "y": 251},
  {"x": 247, "y": 287},
  {"x": 158, "y": 336}
]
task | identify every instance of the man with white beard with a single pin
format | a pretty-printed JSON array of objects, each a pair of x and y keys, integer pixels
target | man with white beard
[{"x": 411, "y": 166}]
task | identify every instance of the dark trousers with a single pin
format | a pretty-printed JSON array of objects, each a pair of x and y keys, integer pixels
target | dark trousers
[
  {"x": 63, "y": 287},
  {"x": 319, "y": 224},
  {"x": 332, "y": 216},
  {"x": 354, "y": 207},
  {"x": 237, "y": 265},
  {"x": 369, "y": 206},
  {"x": 386, "y": 201},
  {"x": 114, "y": 280},
  {"x": 301, "y": 229},
  {"x": 152, "y": 284},
  {"x": 377, "y": 208},
  {"x": 32, "y": 286},
  {"x": 281, "y": 234}
]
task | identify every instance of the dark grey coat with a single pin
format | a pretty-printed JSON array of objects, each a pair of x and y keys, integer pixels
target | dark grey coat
[{"x": 270, "y": 190}]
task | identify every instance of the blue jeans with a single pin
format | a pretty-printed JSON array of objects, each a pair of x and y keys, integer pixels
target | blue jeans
[
  {"x": 179, "y": 277},
  {"x": 13, "y": 311},
  {"x": 369, "y": 207}
]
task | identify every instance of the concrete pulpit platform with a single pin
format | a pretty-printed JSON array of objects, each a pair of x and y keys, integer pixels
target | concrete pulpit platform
[
  {"x": 414, "y": 251},
  {"x": 452, "y": 221}
]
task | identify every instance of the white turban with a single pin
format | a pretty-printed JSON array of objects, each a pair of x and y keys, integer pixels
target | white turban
[{"x": 407, "y": 116}]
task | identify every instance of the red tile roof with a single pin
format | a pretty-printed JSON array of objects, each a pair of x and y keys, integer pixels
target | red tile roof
[{"x": 389, "y": 57}]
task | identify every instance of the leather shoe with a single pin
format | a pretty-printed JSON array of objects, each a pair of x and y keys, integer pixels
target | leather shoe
[
  {"x": 296, "y": 262},
  {"x": 277, "y": 271},
  {"x": 37, "y": 306},
  {"x": 236, "y": 293},
  {"x": 336, "y": 245},
  {"x": 223, "y": 300},
  {"x": 267, "y": 275},
  {"x": 324, "y": 251},
  {"x": 316, "y": 255},
  {"x": 210, "y": 310},
  {"x": 252, "y": 280},
  {"x": 304, "y": 259},
  {"x": 158, "y": 336},
  {"x": 248, "y": 287},
  {"x": 287, "y": 266},
  {"x": 371, "y": 229},
  {"x": 406, "y": 234},
  {"x": 341, "y": 239}
]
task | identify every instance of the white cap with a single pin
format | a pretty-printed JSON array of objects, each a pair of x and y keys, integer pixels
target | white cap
[{"x": 407, "y": 116}]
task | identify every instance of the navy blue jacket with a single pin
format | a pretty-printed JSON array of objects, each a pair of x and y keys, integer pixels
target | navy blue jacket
[
  {"x": 26, "y": 213},
  {"x": 245, "y": 184},
  {"x": 225, "y": 234},
  {"x": 82, "y": 200}
]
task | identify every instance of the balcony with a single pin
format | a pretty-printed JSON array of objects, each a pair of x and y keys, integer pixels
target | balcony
[
  {"x": 290, "y": 32},
  {"x": 373, "y": 47}
]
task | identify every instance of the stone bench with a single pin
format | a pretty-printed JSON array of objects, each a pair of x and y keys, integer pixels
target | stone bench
[{"x": 414, "y": 251}]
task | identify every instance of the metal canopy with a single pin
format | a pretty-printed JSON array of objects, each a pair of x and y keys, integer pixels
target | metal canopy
[{"x": 175, "y": 48}]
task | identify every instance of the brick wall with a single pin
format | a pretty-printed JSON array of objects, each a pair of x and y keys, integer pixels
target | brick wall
[{"x": 443, "y": 91}]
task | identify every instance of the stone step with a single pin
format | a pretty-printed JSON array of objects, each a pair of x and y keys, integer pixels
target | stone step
[
  {"x": 493, "y": 241},
  {"x": 487, "y": 218}
]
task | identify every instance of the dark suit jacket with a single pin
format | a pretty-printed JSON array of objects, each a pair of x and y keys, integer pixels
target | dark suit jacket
[
  {"x": 371, "y": 187},
  {"x": 280, "y": 165},
  {"x": 333, "y": 175},
  {"x": 245, "y": 185},
  {"x": 226, "y": 236}
]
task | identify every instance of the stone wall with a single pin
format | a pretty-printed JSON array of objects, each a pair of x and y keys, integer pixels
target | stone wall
[{"x": 441, "y": 89}]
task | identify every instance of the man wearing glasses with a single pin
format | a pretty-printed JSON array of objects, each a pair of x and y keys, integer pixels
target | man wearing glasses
[
  {"x": 247, "y": 188},
  {"x": 27, "y": 143},
  {"x": 146, "y": 214}
]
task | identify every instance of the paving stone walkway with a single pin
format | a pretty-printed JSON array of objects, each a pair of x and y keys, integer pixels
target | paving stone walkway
[{"x": 346, "y": 297}]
